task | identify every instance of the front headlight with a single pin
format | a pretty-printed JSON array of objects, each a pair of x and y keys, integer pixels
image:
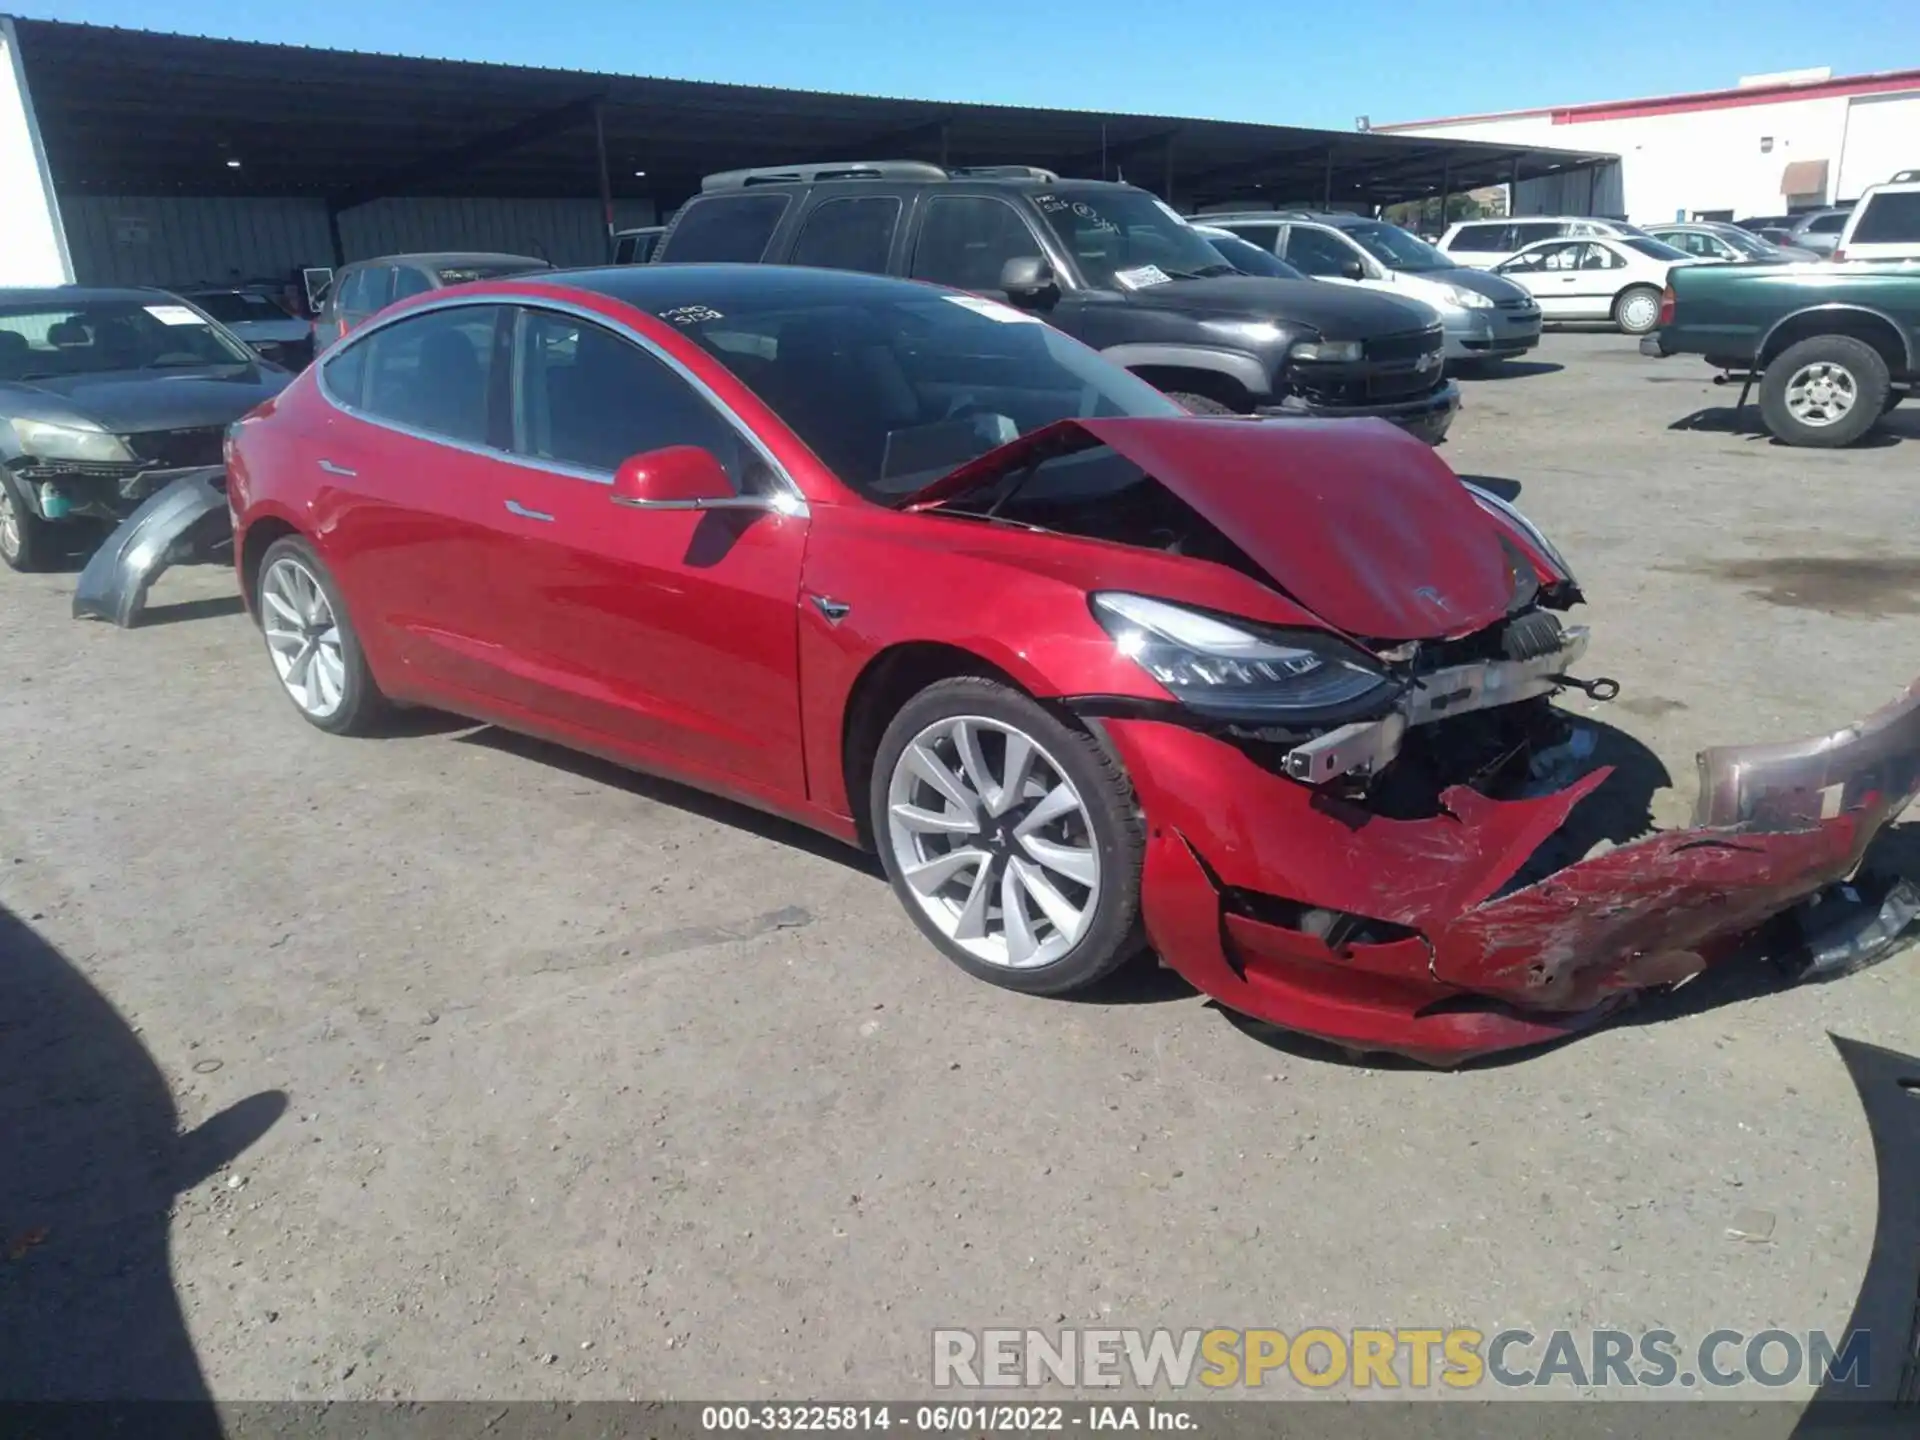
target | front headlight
[
  {"x": 1467, "y": 299},
  {"x": 1340, "y": 350},
  {"x": 1235, "y": 670},
  {"x": 1494, "y": 505},
  {"x": 44, "y": 440}
]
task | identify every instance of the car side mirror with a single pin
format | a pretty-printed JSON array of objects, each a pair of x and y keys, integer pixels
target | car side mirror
[
  {"x": 1026, "y": 278},
  {"x": 1353, "y": 270},
  {"x": 678, "y": 477}
]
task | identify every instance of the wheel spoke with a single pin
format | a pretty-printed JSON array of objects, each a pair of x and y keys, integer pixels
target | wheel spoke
[
  {"x": 972, "y": 924},
  {"x": 325, "y": 691},
  {"x": 281, "y": 607},
  {"x": 973, "y": 765},
  {"x": 300, "y": 665},
  {"x": 930, "y": 876},
  {"x": 932, "y": 769},
  {"x": 934, "y": 822},
  {"x": 1064, "y": 914},
  {"x": 1077, "y": 863},
  {"x": 1059, "y": 801},
  {"x": 1013, "y": 780},
  {"x": 1013, "y": 915}
]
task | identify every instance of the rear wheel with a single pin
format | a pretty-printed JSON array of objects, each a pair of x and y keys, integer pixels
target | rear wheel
[
  {"x": 26, "y": 541},
  {"x": 1013, "y": 841},
  {"x": 1200, "y": 404},
  {"x": 1637, "y": 310},
  {"x": 311, "y": 642},
  {"x": 1824, "y": 392}
]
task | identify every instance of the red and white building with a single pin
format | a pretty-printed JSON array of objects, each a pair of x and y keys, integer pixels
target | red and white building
[{"x": 1772, "y": 144}]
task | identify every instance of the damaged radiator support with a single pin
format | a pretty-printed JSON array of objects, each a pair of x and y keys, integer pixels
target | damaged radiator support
[{"x": 1368, "y": 746}]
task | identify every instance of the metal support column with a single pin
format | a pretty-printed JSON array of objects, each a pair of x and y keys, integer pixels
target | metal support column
[
  {"x": 1326, "y": 189},
  {"x": 606, "y": 180},
  {"x": 1166, "y": 189}
]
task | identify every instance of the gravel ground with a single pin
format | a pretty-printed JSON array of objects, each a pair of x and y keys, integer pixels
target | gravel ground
[{"x": 452, "y": 1066}]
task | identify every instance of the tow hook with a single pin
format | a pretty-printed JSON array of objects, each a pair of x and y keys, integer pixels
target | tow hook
[{"x": 1604, "y": 689}]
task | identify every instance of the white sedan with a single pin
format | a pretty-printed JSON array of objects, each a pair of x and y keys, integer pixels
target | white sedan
[{"x": 1617, "y": 279}]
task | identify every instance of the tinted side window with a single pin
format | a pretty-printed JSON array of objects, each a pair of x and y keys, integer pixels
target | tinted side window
[
  {"x": 1317, "y": 252},
  {"x": 1267, "y": 237},
  {"x": 372, "y": 290},
  {"x": 1888, "y": 218},
  {"x": 967, "y": 239},
  {"x": 346, "y": 374},
  {"x": 432, "y": 372},
  {"x": 1828, "y": 225},
  {"x": 409, "y": 281},
  {"x": 1479, "y": 239},
  {"x": 586, "y": 397},
  {"x": 849, "y": 234},
  {"x": 726, "y": 228},
  {"x": 1527, "y": 234}
]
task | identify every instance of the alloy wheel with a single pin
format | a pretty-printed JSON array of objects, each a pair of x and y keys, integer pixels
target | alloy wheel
[
  {"x": 994, "y": 841},
  {"x": 303, "y": 637},
  {"x": 9, "y": 524},
  {"x": 1821, "y": 394}
]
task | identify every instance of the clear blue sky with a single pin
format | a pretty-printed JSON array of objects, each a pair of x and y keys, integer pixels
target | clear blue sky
[{"x": 1290, "y": 63}]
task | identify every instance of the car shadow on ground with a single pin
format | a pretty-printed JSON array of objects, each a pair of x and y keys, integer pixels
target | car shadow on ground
[
  {"x": 1744, "y": 420},
  {"x": 1503, "y": 369},
  {"x": 1508, "y": 490},
  {"x": 213, "y": 607},
  {"x": 91, "y": 1158},
  {"x": 670, "y": 792}
]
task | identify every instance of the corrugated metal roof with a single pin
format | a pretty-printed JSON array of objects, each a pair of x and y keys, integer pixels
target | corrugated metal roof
[{"x": 137, "y": 112}]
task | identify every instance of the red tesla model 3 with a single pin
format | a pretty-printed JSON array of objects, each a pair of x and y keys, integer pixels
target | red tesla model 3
[{"x": 910, "y": 567}]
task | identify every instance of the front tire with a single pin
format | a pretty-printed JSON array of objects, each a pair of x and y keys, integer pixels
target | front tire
[
  {"x": 312, "y": 643},
  {"x": 1637, "y": 310},
  {"x": 1825, "y": 392},
  {"x": 26, "y": 541},
  {"x": 1012, "y": 840}
]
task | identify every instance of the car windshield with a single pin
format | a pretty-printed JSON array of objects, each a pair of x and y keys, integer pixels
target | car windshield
[
  {"x": 236, "y": 307},
  {"x": 1747, "y": 244},
  {"x": 895, "y": 391},
  {"x": 1250, "y": 259},
  {"x": 1657, "y": 249},
  {"x": 1397, "y": 249},
  {"x": 1124, "y": 238},
  {"x": 46, "y": 341}
]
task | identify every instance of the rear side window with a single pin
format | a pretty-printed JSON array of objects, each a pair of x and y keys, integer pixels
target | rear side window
[
  {"x": 409, "y": 281},
  {"x": 1889, "y": 217},
  {"x": 1267, "y": 237},
  {"x": 1480, "y": 240},
  {"x": 368, "y": 291},
  {"x": 588, "y": 398},
  {"x": 432, "y": 372},
  {"x": 726, "y": 228},
  {"x": 1828, "y": 225},
  {"x": 1527, "y": 234},
  {"x": 849, "y": 234},
  {"x": 1318, "y": 252}
]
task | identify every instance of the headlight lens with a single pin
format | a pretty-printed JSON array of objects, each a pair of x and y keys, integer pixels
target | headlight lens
[
  {"x": 1468, "y": 299},
  {"x": 1341, "y": 350},
  {"x": 46, "y": 441},
  {"x": 1221, "y": 668},
  {"x": 1494, "y": 505}
]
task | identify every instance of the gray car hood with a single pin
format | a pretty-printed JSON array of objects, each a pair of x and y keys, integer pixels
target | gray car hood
[
  {"x": 1338, "y": 312},
  {"x": 130, "y": 402},
  {"x": 1482, "y": 282}
]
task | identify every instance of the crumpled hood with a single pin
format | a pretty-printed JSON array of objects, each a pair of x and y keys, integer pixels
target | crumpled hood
[
  {"x": 1338, "y": 312},
  {"x": 1354, "y": 519},
  {"x": 129, "y": 402}
]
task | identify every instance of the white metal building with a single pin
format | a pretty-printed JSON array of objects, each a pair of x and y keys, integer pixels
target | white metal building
[{"x": 1772, "y": 144}]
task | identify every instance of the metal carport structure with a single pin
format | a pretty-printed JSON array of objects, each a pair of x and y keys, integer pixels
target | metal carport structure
[{"x": 128, "y": 113}]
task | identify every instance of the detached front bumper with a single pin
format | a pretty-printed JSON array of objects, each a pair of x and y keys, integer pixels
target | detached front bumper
[
  {"x": 1252, "y": 880},
  {"x": 1428, "y": 416}
]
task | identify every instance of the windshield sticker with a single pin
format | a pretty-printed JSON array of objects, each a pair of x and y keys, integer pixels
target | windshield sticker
[
  {"x": 992, "y": 309},
  {"x": 1140, "y": 277},
  {"x": 691, "y": 315},
  {"x": 174, "y": 315}
]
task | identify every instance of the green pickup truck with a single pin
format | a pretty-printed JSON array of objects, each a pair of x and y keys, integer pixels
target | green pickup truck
[{"x": 1832, "y": 347}]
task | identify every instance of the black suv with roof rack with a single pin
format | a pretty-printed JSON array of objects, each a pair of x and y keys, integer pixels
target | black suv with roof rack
[{"x": 1108, "y": 264}]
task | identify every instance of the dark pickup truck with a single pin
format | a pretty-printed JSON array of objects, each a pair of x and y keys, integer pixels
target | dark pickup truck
[
  {"x": 1106, "y": 263},
  {"x": 1832, "y": 347}
]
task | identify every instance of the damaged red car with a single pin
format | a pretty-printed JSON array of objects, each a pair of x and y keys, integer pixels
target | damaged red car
[{"x": 1088, "y": 672}]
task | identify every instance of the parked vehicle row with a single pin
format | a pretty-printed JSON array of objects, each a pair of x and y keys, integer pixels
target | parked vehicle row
[{"x": 1272, "y": 698}]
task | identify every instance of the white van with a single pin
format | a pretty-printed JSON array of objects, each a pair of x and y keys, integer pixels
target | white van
[
  {"x": 1884, "y": 225},
  {"x": 1486, "y": 243}
]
